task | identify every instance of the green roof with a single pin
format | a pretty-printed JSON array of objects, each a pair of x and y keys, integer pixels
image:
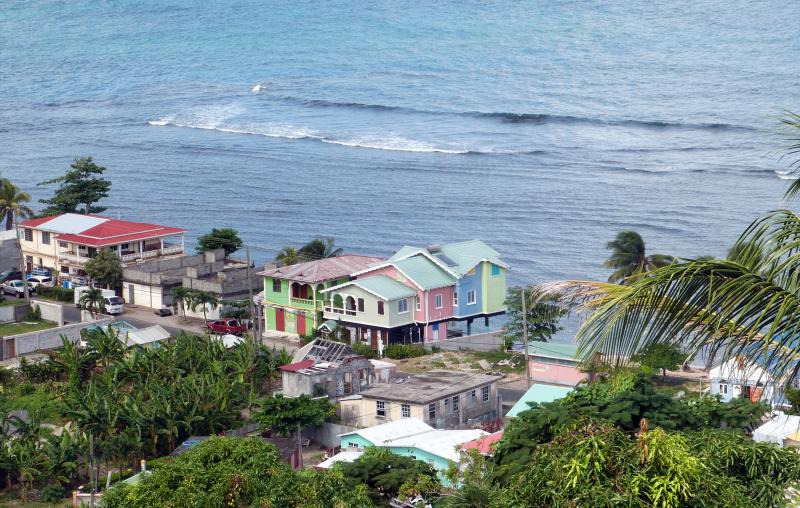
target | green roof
[
  {"x": 468, "y": 254},
  {"x": 405, "y": 250},
  {"x": 561, "y": 351},
  {"x": 538, "y": 394},
  {"x": 385, "y": 287},
  {"x": 424, "y": 272}
]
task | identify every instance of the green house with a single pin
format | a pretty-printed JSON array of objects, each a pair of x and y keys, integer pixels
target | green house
[{"x": 293, "y": 298}]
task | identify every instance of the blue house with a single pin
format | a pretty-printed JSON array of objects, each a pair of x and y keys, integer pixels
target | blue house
[{"x": 741, "y": 379}]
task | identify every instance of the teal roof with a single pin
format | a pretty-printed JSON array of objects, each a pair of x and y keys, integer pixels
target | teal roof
[
  {"x": 385, "y": 287},
  {"x": 424, "y": 272},
  {"x": 405, "y": 250},
  {"x": 468, "y": 254},
  {"x": 538, "y": 394},
  {"x": 557, "y": 350}
]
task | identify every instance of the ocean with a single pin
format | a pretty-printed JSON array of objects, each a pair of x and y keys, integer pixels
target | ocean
[{"x": 542, "y": 128}]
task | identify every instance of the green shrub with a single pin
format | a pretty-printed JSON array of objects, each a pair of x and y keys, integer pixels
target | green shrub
[
  {"x": 364, "y": 350},
  {"x": 53, "y": 493},
  {"x": 400, "y": 351},
  {"x": 56, "y": 293},
  {"x": 34, "y": 313},
  {"x": 26, "y": 389}
]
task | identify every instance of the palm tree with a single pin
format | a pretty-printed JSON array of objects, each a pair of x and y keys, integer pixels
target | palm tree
[
  {"x": 747, "y": 306},
  {"x": 791, "y": 122},
  {"x": 629, "y": 259},
  {"x": 287, "y": 256},
  {"x": 180, "y": 298},
  {"x": 12, "y": 202},
  {"x": 92, "y": 300},
  {"x": 205, "y": 299},
  {"x": 319, "y": 248}
]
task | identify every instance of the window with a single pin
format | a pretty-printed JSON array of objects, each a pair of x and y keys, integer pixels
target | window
[
  {"x": 360, "y": 305},
  {"x": 351, "y": 444},
  {"x": 402, "y": 306},
  {"x": 439, "y": 303},
  {"x": 432, "y": 411},
  {"x": 419, "y": 305},
  {"x": 723, "y": 388},
  {"x": 456, "y": 403},
  {"x": 63, "y": 245},
  {"x": 380, "y": 409},
  {"x": 455, "y": 299},
  {"x": 29, "y": 259},
  {"x": 471, "y": 297},
  {"x": 125, "y": 246},
  {"x": 45, "y": 238},
  {"x": 495, "y": 270},
  {"x": 380, "y": 307},
  {"x": 472, "y": 394},
  {"x": 485, "y": 393},
  {"x": 28, "y": 235},
  {"x": 405, "y": 410},
  {"x": 64, "y": 269},
  {"x": 446, "y": 403},
  {"x": 276, "y": 285}
]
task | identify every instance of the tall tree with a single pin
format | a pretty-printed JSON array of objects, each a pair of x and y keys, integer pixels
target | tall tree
[
  {"x": 106, "y": 268},
  {"x": 79, "y": 189},
  {"x": 12, "y": 203},
  {"x": 222, "y": 238},
  {"x": 203, "y": 299},
  {"x": 543, "y": 312},
  {"x": 628, "y": 257},
  {"x": 286, "y": 415},
  {"x": 319, "y": 248}
]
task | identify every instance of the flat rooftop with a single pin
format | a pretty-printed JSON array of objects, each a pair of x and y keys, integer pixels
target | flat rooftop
[{"x": 431, "y": 386}]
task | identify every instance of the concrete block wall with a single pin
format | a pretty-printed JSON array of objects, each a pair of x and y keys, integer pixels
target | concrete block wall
[
  {"x": 51, "y": 311},
  {"x": 49, "y": 339},
  {"x": 327, "y": 434},
  {"x": 485, "y": 342}
]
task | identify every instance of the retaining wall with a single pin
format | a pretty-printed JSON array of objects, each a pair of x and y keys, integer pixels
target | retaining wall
[
  {"x": 51, "y": 311},
  {"x": 327, "y": 434},
  {"x": 485, "y": 342},
  {"x": 11, "y": 313}
]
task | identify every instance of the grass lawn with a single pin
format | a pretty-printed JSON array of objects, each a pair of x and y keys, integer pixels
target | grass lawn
[
  {"x": 25, "y": 327},
  {"x": 10, "y": 300}
]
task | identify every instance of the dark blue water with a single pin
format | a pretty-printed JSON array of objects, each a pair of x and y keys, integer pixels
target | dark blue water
[{"x": 542, "y": 128}]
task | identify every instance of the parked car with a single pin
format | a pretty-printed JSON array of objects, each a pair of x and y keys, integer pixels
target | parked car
[
  {"x": 16, "y": 288},
  {"x": 232, "y": 326},
  {"x": 40, "y": 280},
  {"x": 10, "y": 275},
  {"x": 164, "y": 311}
]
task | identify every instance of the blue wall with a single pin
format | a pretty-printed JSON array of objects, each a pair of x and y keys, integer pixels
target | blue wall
[{"x": 463, "y": 285}]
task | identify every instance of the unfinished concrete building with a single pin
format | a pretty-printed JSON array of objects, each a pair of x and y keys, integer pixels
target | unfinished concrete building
[{"x": 150, "y": 284}]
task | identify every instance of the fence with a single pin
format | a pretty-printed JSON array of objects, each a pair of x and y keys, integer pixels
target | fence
[
  {"x": 51, "y": 311},
  {"x": 485, "y": 342},
  {"x": 11, "y": 313}
]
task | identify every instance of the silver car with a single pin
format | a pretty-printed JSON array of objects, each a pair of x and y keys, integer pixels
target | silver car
[{"x": 16, "y": 288}]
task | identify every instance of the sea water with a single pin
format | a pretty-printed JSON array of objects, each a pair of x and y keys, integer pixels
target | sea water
[{"x": 542, "y": 128}]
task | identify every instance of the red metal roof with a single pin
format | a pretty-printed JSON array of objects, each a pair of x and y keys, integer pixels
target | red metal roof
[
  {"x": 294, "y": 367},
  {"x": 483, "y": 444},
  {"x": 109, "y": 232}
]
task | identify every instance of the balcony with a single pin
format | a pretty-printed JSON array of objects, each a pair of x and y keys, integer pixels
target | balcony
[
  {"x": 152, "y": 253},
  {"x": 301, "y": 302},
  {"x": 339, "y": 310},
  {"x": 72, "y": 258}
]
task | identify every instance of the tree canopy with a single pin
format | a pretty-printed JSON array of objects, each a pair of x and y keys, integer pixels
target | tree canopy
[
  {"x": 80, "y": 189},
  {"x": 628, "y": 257},
  {"x": 220, "y": 238},
  {"x": 105, "y": 268},
  {"x": 663, "y": 357},
  {"x": 318, "y": 248},
  {"x": 543, "y": 314},
  {"x": 13, "y": 203},
  {"x": 283, "y": 414}
]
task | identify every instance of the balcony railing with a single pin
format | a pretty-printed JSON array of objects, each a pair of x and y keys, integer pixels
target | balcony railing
[
  {"x": 301, "y": 301},
  {"x": 338, "y": 310},
  {"x": 72, "y": 257},
  {"x": 149, "y": 254}
]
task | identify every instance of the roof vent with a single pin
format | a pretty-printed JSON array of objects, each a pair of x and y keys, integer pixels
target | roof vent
[{"x": 434, "y": 248}]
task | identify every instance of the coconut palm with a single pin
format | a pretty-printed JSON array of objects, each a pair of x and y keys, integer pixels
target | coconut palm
[
  {"x": 181, "y": 297},
  {"x": 747, "y": 306},
  {"x": 791, "y": 123},
  {"x": 287, "y": 256},
  {"x": 319, "y": 248},
  {"x": 204, "y": 299},
  {"x": 12, "y": 202},
  {"x": 92, "y": 300},
  {"x": 628, "y": 257}
]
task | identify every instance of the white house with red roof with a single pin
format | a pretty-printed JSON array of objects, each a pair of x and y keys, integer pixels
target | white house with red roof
[{"x": 64, "y": 243}]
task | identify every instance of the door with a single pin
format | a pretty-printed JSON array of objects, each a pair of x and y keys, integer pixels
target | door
[
  {"x": 436, "y": 331},
  {"x": 130, "y": 294},
  {"x": 301, "y": 323},
  {"x": 280, "y": 324}
]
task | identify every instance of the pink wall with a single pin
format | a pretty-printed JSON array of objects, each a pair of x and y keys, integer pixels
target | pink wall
[
  {"x": 555, "y": 374},
  {"x": 442, "y": 332},
  {"x": 447, "y": 303}
]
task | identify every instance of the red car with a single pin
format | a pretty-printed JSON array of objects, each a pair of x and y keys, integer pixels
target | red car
[{"x": 222, "y": 326}]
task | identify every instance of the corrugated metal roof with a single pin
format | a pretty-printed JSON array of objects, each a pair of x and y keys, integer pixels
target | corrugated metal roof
[
  {"x": 442, "y": 443},
  {"x": 322, "y": 270},
  {"x": 539, "y": 394},
  {"x": 561, "y": 351},
  {"x": 69, "y": 223},
  {"x": 380, "y": 435},
  {"x": 468, "y": 254},
  {"x": 424, "y": 272},
  {"x": 385, "y": 287}
]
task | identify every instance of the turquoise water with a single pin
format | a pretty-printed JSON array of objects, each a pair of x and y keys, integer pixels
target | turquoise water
[{"x": 541, "y": 127}]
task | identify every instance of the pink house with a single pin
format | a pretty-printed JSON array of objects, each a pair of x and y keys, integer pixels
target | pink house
[{"x": 555, "y": 363}]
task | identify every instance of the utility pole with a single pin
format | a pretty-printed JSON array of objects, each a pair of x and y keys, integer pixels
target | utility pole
[
  {"x": 250, "y": 309},
  {"x": 523, "y": 291}
]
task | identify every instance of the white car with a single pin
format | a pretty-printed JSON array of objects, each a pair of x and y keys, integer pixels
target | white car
[
  {"x": 15, "y": 287},
  {"x": 40, "y": 280}
]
